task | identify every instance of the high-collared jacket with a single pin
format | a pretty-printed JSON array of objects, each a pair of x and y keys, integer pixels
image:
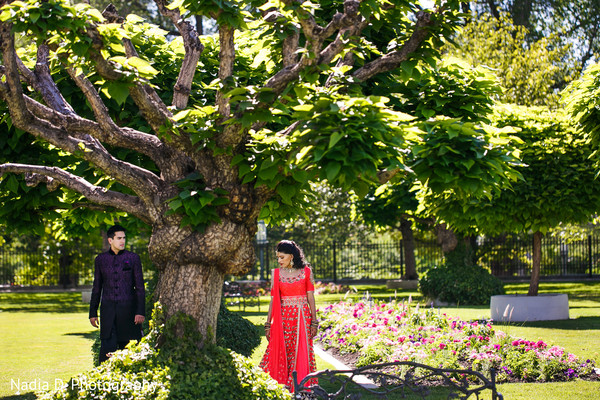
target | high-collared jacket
[{"x": 119, "y": 282}]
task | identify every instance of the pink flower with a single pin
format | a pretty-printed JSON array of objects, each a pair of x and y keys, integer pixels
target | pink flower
[{"x": 442, "y": 346}]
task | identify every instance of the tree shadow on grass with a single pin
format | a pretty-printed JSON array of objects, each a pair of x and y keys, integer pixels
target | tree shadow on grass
[
  {"x": 580, "y": 323},
  {"x": 24, "y": 396},
  {"x": 42, "y": 302},
  {"x": 92, "y": 335}
]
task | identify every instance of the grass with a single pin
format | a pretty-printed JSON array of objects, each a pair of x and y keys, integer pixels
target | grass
[
  {"x": 44, "y": 337},
  {"x": 47, "y": 336}
]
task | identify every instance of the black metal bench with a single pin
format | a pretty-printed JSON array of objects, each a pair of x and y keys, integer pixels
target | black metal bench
[
  {"x": 396, "y": 380},
  {"x": 234, "y": 295}
]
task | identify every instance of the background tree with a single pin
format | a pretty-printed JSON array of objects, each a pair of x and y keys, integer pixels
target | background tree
[
  {"x": 531, "y": 72},
  {"x": 200, "y": 137},
  {"x": 454, "y": 89},
  {"x": 393, "y": 206},
  {"x": 575, "y": 24},
  {"x": 558, "y": 185},
  {"x": 331, "y": 217}
]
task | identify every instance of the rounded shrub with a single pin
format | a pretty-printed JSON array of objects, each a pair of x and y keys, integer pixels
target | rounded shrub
[
  {"x": 460, "y": 284},
  {"x": 236, "y": 332},
  {"x": 172, "y": 362}
]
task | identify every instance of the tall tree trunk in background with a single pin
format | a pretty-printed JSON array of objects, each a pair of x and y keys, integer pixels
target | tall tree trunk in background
[
  {"x": 521, "y": 12},
  {"x": 446, "y": 238},
  {"x": 494, "y": 9},
  {"x": 408, "y": 241},
  {"x": 199, "y": 25},
  {"x": 537, "y": 262}
]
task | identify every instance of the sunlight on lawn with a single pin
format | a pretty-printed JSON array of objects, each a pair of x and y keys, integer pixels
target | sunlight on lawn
[{"x": 39, "y": 347}]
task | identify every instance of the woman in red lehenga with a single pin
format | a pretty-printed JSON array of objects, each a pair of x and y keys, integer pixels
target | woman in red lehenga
[{"x": 292, "y": 318}]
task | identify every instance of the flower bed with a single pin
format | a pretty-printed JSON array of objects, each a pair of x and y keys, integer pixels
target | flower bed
[{"x": 385, "y": 332}]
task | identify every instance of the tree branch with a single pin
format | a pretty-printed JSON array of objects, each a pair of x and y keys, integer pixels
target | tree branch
[
  {"x": 393, "y": 60},
  {"x": 387, "y": 174},
  {"x": 107, "y": 131},
  {"x": 193, "y": 49},
  {"x": 151, "y": 106},
  {"x": 53, "y": 176},
  {"x": 41, "y": 80},
  {"x": 144, "y": 183},
  {"x": 226, "y": 60},
  {"x": 315, "y": 36}
]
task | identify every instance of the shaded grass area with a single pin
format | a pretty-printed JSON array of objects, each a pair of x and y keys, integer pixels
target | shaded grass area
[
  {"x": 44, "y": 338},
  {"x": 66, "y": 302},
  {"x": 47, "y": 336}
]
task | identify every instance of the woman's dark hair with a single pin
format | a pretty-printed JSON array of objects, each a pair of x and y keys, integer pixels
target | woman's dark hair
[{"x": 290, "y": 247}]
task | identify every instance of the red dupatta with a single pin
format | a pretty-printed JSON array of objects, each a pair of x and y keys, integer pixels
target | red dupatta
[{"x": 277, "y": 363}]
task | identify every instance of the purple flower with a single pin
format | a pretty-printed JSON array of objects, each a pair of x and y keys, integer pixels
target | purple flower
[{"x": 570, "y": 373}]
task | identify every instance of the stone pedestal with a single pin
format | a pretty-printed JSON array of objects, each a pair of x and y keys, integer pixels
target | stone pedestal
[{"x": 523, "y": 308}]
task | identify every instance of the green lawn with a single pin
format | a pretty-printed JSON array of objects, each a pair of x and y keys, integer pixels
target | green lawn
[
  {"x": 47, "y": 336},
  {"x": 44, "y": 337}
]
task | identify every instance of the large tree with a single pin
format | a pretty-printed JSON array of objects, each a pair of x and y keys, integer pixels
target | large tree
[{"x": 199, "y": 137}]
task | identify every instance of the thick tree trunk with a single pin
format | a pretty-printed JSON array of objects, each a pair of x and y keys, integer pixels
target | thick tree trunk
[
  {"x": 194, "y": 290},
  {"x": 409, "y": 250},
  {"x": 537, "y": 262}
]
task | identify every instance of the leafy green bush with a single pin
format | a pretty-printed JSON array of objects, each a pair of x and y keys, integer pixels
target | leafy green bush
[
  {"x": 460, "y": 284},
  {"x": 236, "y": 332},
  {"x": 174, "y": 366}
]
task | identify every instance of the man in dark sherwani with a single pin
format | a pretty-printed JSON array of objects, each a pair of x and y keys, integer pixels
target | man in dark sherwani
[{"x": 118, "y": 280}]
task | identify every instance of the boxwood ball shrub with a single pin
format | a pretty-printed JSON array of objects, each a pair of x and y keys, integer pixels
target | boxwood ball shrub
[
  {"x": 236, "y": 332},
  {"x": 172, "y": 362},
  {"x": 460, "y": 284}
]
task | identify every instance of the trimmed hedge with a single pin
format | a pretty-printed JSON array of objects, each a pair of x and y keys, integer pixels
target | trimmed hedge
[{"x": 460, "y": 284}]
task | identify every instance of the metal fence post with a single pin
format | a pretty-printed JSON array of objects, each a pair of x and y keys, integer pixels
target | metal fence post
[
  {"x": 402, "y": 257},
  {"x": 334, "y": 262},
  {"x": 590, "y": 256}
]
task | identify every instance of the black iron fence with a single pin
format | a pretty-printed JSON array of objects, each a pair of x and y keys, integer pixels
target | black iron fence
[
  {"x": 51, "y": 266},
  {"x": 509, "y": 256},
  {"x": 506, "y": 257},
  {"x": 353, "y": 261}
]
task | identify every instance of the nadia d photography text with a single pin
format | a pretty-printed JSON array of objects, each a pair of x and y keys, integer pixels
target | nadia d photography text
[{"x": 36, "y": 385}]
